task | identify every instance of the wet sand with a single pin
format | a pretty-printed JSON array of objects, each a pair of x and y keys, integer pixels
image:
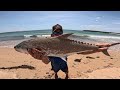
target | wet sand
[{"x": 15, "y": 65}]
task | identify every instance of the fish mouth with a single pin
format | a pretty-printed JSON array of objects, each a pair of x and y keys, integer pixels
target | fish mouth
[
  {"x": 21, "y": 50},
  {"x": 16, "y": 48}
]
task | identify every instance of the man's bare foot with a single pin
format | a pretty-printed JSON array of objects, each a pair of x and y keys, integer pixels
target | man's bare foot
[
  {"x": 51, "y": 68},
  {"x": 67, "y": 76},
  {"x": 56, "y": 76}
]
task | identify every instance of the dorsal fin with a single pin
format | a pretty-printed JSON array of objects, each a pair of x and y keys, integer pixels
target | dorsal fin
[{"x": 64, "y": 35}]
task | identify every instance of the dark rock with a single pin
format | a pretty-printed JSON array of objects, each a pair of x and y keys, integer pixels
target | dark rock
[
  {"x": 33, "y": 36},
  {"x": 90, "y": 57},
  {"x": 77, "y": 60},
  {"x": 98, "y": 57},
  {"x": 89, "y": 71},
  {"x": 72, "y": 65},
  {"x": 47, "y": 72},
  {"x": 111, "y": 58},
  {"x": 110, "y": 63}
]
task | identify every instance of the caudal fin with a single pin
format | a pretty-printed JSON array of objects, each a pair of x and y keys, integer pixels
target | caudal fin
[{"x": 106, "y": 52}]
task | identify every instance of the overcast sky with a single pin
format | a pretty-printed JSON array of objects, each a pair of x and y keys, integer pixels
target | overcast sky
[{"x": 75, "y": 20}]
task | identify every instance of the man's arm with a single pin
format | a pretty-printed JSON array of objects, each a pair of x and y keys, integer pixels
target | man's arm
[
  {"x": 35, "y": 53},
  {"x": 39, "y": 55}
]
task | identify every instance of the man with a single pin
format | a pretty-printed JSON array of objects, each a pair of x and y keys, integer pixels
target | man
[{"x": 58, "y": 63}]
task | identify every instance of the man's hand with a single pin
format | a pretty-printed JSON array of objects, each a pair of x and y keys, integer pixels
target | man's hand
[
  {"x": 38, "y": 55},
  {"x": 35, "y": 53}
]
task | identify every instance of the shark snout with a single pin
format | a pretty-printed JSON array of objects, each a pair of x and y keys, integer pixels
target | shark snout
[
  {"x": 15, "y": 47},
  {"x": 22, "y": 50}
]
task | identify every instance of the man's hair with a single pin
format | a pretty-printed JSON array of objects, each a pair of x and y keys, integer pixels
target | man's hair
[{"x": 57, "y": 26}]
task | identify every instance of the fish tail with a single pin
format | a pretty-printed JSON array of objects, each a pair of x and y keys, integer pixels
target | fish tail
[{"x": 114, "y": 44}]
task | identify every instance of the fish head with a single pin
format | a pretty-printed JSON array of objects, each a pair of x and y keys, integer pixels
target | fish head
[{"x": 22, "y": 47}]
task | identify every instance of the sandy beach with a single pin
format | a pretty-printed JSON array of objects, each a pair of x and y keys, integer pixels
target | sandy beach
[{"x": 15, "y": 65}]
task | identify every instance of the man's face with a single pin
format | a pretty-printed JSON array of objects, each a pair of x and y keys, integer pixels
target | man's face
[{"x": 57, "y": 30}]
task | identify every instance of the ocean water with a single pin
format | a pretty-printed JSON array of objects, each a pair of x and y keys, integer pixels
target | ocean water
[{"x": 9, "y": 39}]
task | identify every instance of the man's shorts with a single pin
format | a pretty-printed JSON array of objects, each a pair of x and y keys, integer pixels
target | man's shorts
[{"x": 58, "y": 64}]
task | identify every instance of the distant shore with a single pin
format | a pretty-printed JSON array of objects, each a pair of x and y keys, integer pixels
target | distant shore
[{"x": 100, "y": 31}]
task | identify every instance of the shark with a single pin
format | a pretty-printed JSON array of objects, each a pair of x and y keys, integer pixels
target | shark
[{"x": 59, "y": 46}]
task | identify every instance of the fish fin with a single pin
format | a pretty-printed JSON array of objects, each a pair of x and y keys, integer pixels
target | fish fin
[
  {"x": 64, "y": 35},
  {"x": 114, "y": 44},
  {"x": 106, "y": 52}
]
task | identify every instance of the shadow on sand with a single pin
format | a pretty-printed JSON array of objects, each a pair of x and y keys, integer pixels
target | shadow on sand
[{"x": 18, "y": 67}]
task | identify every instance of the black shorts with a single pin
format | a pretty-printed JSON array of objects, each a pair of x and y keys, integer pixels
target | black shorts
[{"x": 58, "y": 64}]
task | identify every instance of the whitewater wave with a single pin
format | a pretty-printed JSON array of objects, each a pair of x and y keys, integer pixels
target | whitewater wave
[
  {"x": 107, "y": 37},
  {"x": 32, "y": 36}
]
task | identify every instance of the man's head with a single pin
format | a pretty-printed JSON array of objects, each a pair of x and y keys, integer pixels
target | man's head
[{"x": 57, "y": 30}]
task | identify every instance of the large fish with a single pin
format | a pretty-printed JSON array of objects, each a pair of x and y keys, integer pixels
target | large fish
[{"x": 59, "y": 46}]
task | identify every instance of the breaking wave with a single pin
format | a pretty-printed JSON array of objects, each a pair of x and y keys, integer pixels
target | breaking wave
[{"x": 32, "y": 36}]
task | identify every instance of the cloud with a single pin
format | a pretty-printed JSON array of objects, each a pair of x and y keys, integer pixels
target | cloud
[{"x": 97, "y": 19}]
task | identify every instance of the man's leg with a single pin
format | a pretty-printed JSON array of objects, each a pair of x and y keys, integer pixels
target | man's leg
[
  {"x": 64, "y": 68},
  {"x": 52, "y": 67},
  {"x": 56, "y": 76},
  {"x": 67, "y": 76}
]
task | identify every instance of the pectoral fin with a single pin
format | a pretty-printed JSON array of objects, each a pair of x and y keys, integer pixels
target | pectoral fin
[{"x": 106, "y": 52}]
